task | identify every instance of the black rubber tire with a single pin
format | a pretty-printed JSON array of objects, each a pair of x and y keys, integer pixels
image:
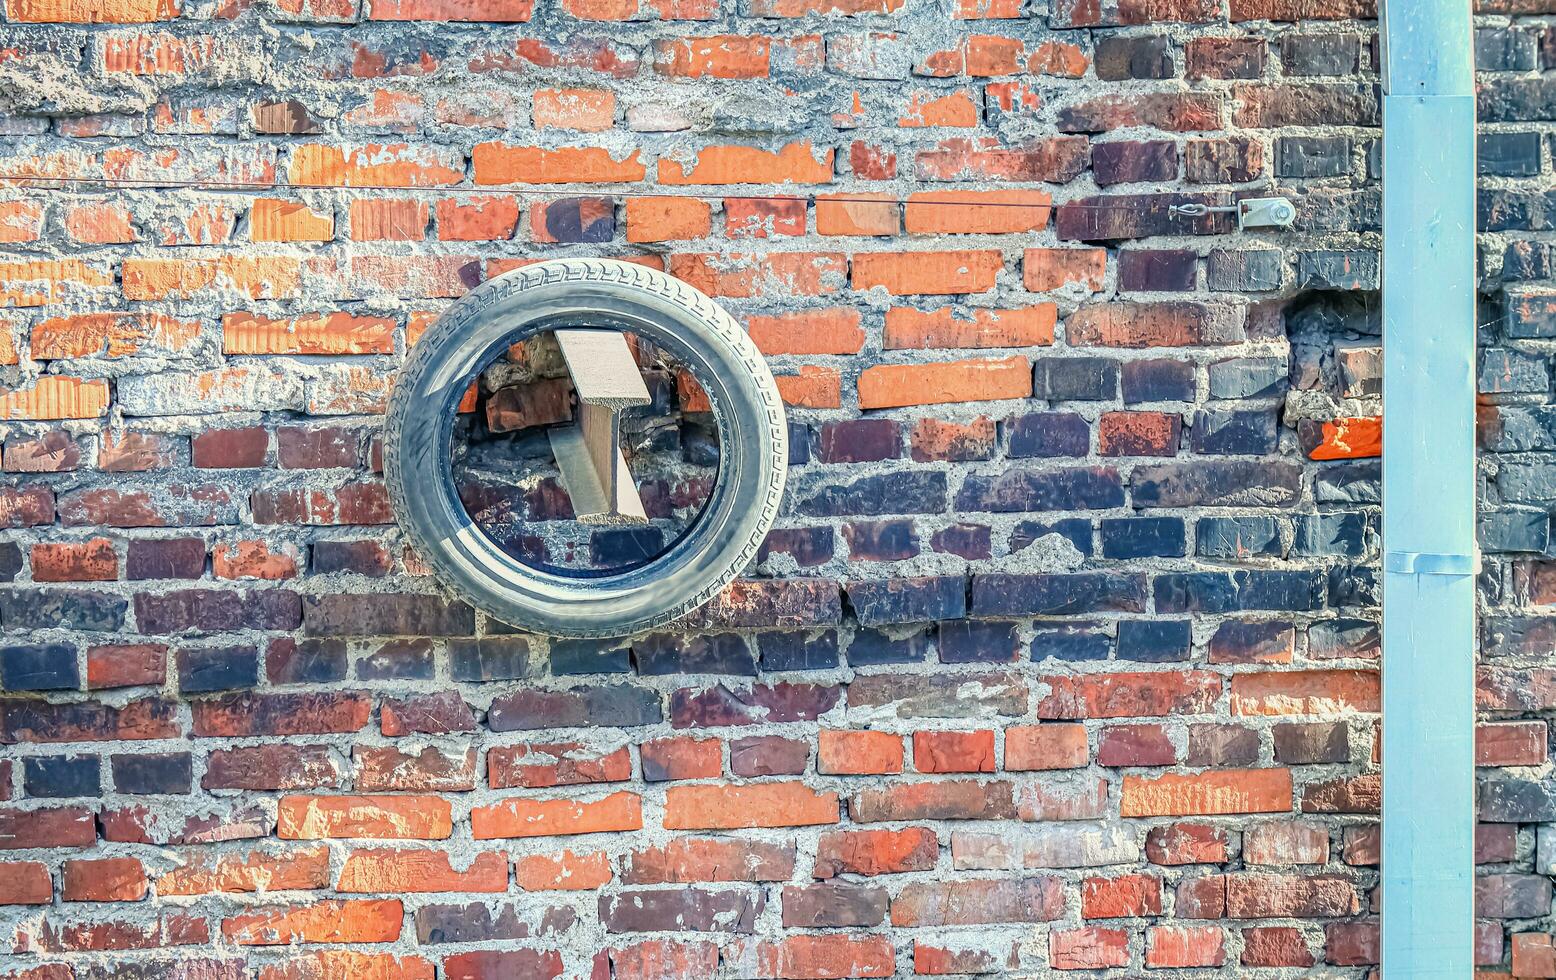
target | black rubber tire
[{"x": 740, "y": 508}]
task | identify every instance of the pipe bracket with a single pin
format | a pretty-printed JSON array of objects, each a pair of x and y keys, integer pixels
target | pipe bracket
[{"x": 1430, "y": 563}]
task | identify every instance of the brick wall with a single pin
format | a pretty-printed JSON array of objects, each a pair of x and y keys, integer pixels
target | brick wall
[{"x": 1064, "y": 654}]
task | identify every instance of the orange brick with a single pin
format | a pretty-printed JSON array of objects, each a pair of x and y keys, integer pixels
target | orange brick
[
  {"x": 503, "y": 163},
  {"x": 1357, "y": 438},
  {"x": 1181, "y": 947},
  {"x": 71, "y": 561},
  {"x": 858, "y": 753},
  {"x": 254, "y": 560},
  {"x": 345, "y": 964},
  {"x": 381, "y": 219},
  {"x": 957, "y": 109},
  {"x": 1029, "y": 747},
  {"x": 103, "y": 880},
  {"x": 724, "y": 56},
  {"x": 20, "y": 221},
  {"x": 1306, "y": 692},
  {"x": 257, "y": 277},
  {"x": 113, "y": 334},
  {"x": 562, "y": 871},
  {"x": 46, "y": 281},
  {"x": 739, "y": 275},
  {"x": 492, "y": 11},
  {"x": 830, "y": 331},
  {"x": 856, "y": 214},
  {"x": 255, "y": 871},
  {"x": 927, "y": 273},
  {"x": 391, "y": 164},
  {"x": 589, "y": 110},
  {"x": 323, "y": 333},
  {"x": 91, "y": 11},
  {"x": 953, "y": 751},
  {"x": 489, "y": 218},
  {"x": 271, "y": 220},
  {"x": 1212, "y": 793},
  {"x": 794, "y": 163},
  {"x": 1004, "y": 212},
  {"x": 876, "y": 852},
  {"x": 896, "y": 385},
  {"x": 949, "y": 327},
  {"x": 667, "y": 219},
  {"x": 55, "y": 396},
  {"x": 390, "y": 871},
  {"x": 315, "y": 817},
  {"x": 1129, "y": 896},
  {"x": 764, "y": 217},
  {"x": 783, "y": 804},
  {"x": 548, "y": 818},
  {"x": 346, "y": 921},
  {"x": 811, "y": 387},
  {"x": 1045, "y": 269}
]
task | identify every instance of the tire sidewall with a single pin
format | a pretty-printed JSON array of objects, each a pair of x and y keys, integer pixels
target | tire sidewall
[{"x": 723, "y": 538}]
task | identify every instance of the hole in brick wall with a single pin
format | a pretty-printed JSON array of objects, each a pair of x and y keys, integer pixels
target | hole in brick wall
[{"x": 507, "y": 474}]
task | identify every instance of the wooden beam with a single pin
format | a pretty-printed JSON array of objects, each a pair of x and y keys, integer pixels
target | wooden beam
[{"x": 607, "y": 380}]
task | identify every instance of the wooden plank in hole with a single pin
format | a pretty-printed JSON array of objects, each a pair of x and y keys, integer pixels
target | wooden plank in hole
[{"x": 607, "y": 380}]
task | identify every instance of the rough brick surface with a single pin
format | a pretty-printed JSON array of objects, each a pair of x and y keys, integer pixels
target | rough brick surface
[{"x": 1063, "y": 654}]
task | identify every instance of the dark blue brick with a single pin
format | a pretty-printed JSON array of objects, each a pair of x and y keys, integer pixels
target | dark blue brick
[
  {"x": 1239, "y": 641},
  {"x": 708, "y": 653},
  {"x": 39, "y": 667},
  {"x": 1049, "y": 434},
  {"x": 1514, "y": 530},
  {"x": 1351, "y": 482},
  {"x": 1143, "y": 537},
  {"x": 1506, "y": 49},
  {"x": 1118, "y": 57},
  {"x": 975, "y": 641},
  {"x": 1320, "y": 54},
  {"x": 1157, "y": 270},
  {"x": 618, "y": 546},
  {"x": 1525, "y": 262},
  {"x": 1154, "y": 641},
  {"x": 1338, "y": 269},
  {"x": 1314, "y": 156},
  {"x": 61, "y": 775},
  {"x": 145, "y": 773},
  {"x": 1248, "y": 377},
  {"x": 1158, "y": 381},
  {"x": 806, "y": 546},
  {"x": 1245, "y": 270},
  {"x": 872, "y": 647},
  {"x": 308, "y": 661},
  {"x": 908, "y": 600},
  {"x": 799, "y": 444},
  {"x": 1057, "y": 595},
  {"x": 490, "y": 658},
  {"x": 590, "y": 657},
  {"x": 1509, "y": 800},
  {"x": 10, "y": 561},
  {"x": 891, "y": 540},
  {"x": 1233, "y": 433},
  {"x": 1508, "y": 154},
  {"x": 1079, "y": 641},
  {"x": 71, "y": 609},
  {"x": 1354, "y": 585},
  {"x": 590, "y": 220},
  {"x": 1237, "y": 537},
  {"x": 1221, "y": 592},
  {"x": 859, "y": 441},
  {"x": 908, "y": 492},
  {"x": 798, "y": 651},
  {"x": 410, "y": 660},
  {"x": 1076, "y": 530},
  {"x": 1343, "y": 535},
  {"x": 1216, "y": 483},
  {"x": 1075, "y": 379},
  {"x": 202, "y": 669},
  {"x": 1081, "y": 488},
  {"x": 1509, "y": 210}
]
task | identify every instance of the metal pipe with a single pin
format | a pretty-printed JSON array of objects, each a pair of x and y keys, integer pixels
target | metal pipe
[{"x": 1429, "y": 553}]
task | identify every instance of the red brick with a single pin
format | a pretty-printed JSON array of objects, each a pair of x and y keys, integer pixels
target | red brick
[
  {"x": 1306, "y": 692},
  {"x": 1210, "y": 793},
  {"x": 254, "y": 871},
  {"x": 897, "y": 385},
  {"x": 948, "y": 327},
  {"x": 815, "y": 957},
  {"x": 1089, "y": 948},
  {"x": 1129, "y": 896},
  {"x": 697, "y": 859},
  {"x": 1177, "y": 947},
  {"x": 393, "y": 871},
  {"x": 1035, "y": 747},
  {"x": 562, "y": 871},
  {"x": 786, "y": 804},
  {"x": 858, "y": 753},
  {"x": 953, "y": 751},
  {"x": 87, "y": 561},
  {"x": 546, "y": 818},
  {"x": 314, "y": 817},
  {"x": 876, "y": 852},
  {"x": 103, "y": 880},
  {"x": 348, "y": 921},
  {"x": 681, "y": 757},
  {"x": 25, "y": 883}
]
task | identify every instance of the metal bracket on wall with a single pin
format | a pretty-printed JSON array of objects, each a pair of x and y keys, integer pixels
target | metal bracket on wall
[{"x": 1252, "y": 212}]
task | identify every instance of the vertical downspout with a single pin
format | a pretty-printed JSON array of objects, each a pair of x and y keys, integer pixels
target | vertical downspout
[{"x": 1429, "y": 554}]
